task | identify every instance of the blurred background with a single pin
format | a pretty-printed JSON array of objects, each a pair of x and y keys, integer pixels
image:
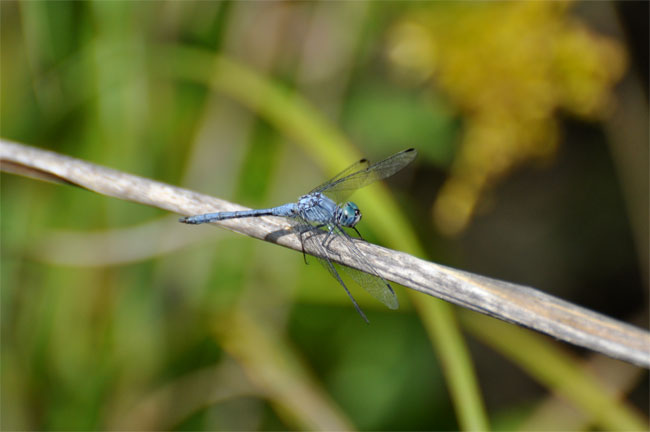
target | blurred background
[{"x": 531, "y": 123}]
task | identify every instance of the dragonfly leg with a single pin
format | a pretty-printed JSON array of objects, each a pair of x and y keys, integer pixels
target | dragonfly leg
[
  {"x": 354, "y": 302},
  {"x": 329, "y": 237},
  {"x": 302, "y": 243}
]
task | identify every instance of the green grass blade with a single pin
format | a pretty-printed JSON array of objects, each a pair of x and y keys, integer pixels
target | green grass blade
[{"x": 555, "y": 369}]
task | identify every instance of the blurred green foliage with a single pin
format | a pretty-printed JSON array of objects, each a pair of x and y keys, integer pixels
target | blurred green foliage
[{"x": 116, "y": 317}]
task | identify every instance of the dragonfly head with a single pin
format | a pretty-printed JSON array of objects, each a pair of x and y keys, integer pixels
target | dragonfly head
[{"x": 348, "y": 215}]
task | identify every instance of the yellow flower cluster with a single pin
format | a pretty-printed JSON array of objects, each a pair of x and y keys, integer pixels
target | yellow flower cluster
[{"x": 508, "y": 67}]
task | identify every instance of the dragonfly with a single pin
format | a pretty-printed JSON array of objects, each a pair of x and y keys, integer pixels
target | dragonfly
[{"x": 324, "y": 212}]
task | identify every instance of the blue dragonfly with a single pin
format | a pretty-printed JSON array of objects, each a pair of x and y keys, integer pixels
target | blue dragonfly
[{"x": 324, "y": 212}]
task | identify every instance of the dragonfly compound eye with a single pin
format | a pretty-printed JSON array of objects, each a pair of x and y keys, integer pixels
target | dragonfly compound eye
[{"x": 349, "y": 215}]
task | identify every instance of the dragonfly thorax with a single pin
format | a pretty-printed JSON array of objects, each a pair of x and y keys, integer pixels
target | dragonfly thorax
[{"x": 348, "y": 214}]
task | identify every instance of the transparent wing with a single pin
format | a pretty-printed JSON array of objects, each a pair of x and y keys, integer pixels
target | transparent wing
[
  {"x": 375, "y": 285},
  {"x": 362, "y": 174},
  {"x": 367, "y": 278},
  {"x": 329, "y": 266},
  {"x": 361, "y": 165}
]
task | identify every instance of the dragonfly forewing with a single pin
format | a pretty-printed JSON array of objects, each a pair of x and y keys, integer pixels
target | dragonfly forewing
[
  {"x": 343, "y": 184},
  {"x": 360, "y": 165}
]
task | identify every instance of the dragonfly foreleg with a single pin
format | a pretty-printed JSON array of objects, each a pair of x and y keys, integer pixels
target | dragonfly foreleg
[
  {"x": 328, "y": 240},
  {"x": 330, "y": 232}
]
